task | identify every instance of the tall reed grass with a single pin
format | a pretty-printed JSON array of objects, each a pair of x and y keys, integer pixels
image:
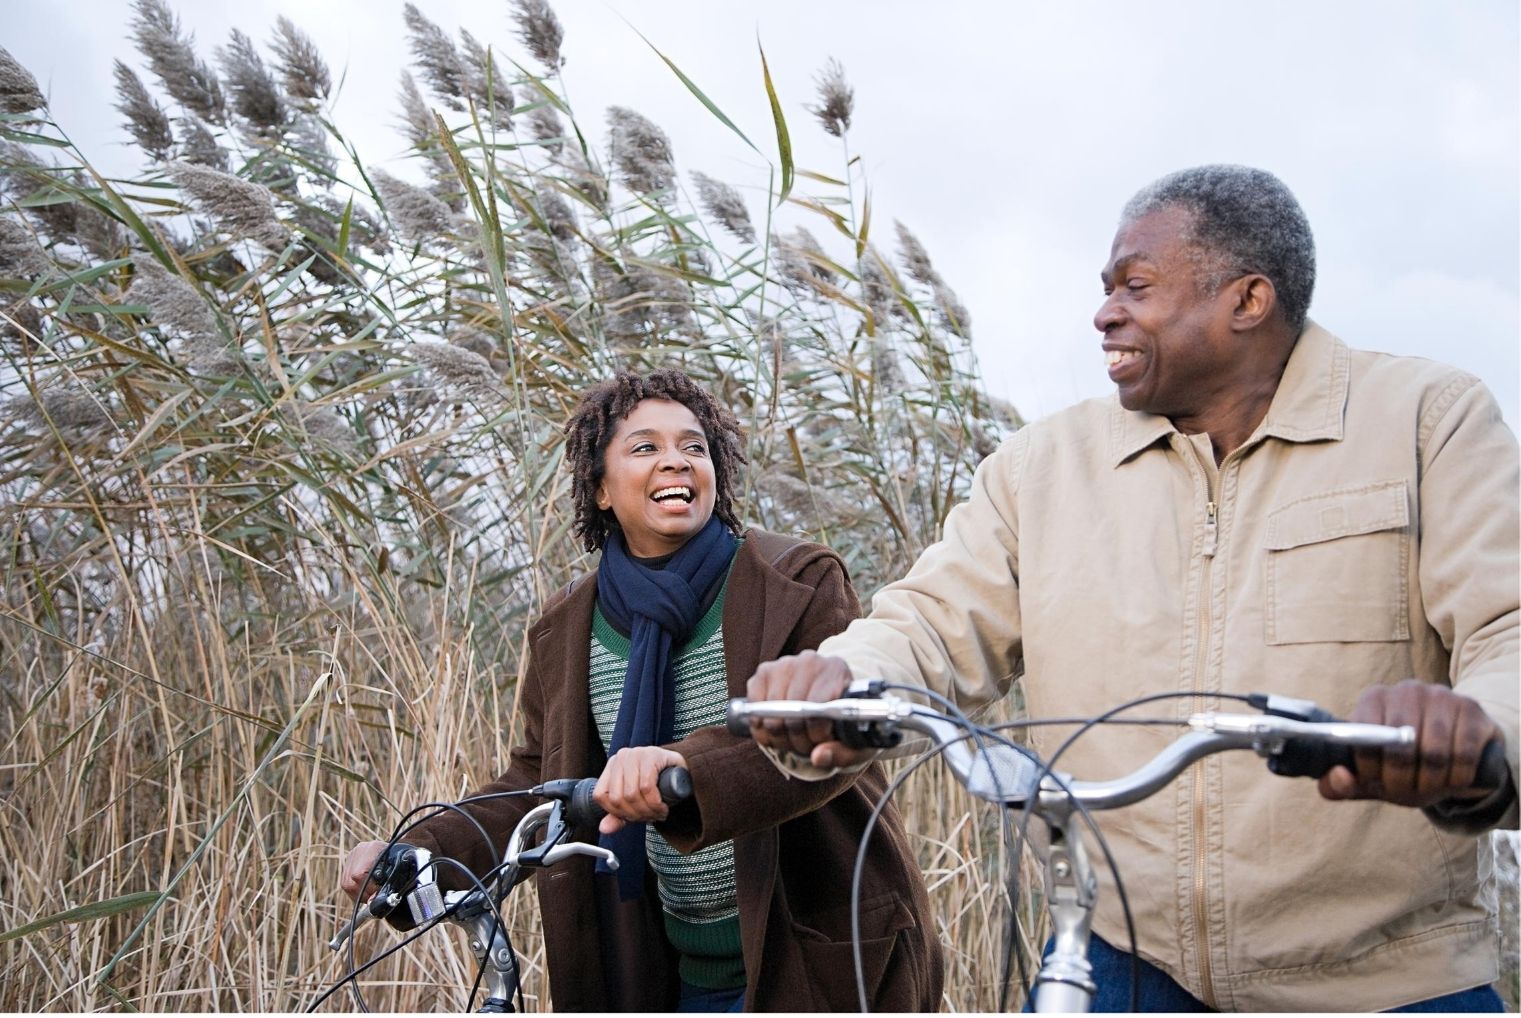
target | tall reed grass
[{"x": 281, "y": 478}]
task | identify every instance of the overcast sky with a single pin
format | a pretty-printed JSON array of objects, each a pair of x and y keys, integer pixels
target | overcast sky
[{"x": 1008, "y": 135}]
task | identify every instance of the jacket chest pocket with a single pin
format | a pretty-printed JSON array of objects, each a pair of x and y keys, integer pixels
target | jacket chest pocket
[{"x": 1336, "y": 567}]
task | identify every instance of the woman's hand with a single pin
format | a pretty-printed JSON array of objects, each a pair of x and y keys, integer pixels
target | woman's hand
[
  {"x": 356, "y": 868},
  {"x": 627, "y": 788}
]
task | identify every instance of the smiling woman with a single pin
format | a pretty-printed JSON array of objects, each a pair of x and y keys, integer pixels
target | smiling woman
[{"x": 738, "y": 898}]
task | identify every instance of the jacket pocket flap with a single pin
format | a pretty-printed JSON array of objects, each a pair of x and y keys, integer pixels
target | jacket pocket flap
[{"x": 1334, "y": 514}]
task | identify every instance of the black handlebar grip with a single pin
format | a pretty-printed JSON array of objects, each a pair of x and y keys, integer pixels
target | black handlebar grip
[
  {"x": 736, "y": 722},
  {"x": 581, "y": 810},
  {"x": 675, "y": 784},
  {"x": 1302, "y": 758},
  {"x": 1493, "y": 770}
]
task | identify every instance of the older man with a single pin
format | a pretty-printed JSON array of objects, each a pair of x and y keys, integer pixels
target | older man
[{"x": 1261, "y": 508}]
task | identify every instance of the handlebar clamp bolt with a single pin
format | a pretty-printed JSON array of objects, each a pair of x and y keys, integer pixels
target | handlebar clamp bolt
[{"x": 1062, "y": 869}]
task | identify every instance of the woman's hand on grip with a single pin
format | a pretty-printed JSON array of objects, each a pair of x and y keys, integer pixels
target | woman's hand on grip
[
  {"x": 628, "y": 787},
  {"x": 356, "y": 868}
]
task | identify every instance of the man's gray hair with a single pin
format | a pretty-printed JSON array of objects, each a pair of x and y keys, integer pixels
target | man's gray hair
[{"x": 1243, "y": 220}]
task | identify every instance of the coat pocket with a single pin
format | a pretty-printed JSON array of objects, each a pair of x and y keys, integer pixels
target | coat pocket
[
  {"x": 1337, "y": 567},
  {"x": 829, "y": 961}
]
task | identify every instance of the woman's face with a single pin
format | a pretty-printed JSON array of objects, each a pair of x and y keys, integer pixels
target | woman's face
[{"x": 658, "y": 477}]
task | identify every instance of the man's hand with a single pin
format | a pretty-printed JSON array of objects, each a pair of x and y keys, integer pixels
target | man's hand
[
  {"x": 628, "y": 788},
  {"x": 1451, "y": 733},
  {"x": 355, "y": 874},
  {"x": 805, "y": 676}
]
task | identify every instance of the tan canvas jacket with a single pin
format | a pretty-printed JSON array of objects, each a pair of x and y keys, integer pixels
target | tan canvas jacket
[{"x": 1367, "y": 532}]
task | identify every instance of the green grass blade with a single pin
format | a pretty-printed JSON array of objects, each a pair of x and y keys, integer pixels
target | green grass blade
[
  {"x": 701, "y": 96},
  {"x": 783, "y": 139},
  {"x": 95, "y": 910}
]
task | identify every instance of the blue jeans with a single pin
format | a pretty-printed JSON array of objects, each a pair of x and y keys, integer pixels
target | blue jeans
[
  {"x": 1158, "y": 992},
  {"x": 703, "y": 1000}
]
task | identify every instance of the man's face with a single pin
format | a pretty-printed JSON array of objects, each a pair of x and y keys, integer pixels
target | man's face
[{"x": 1168, "y": 344}]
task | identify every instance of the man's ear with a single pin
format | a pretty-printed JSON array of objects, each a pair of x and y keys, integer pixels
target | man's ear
[{"x": 1255, "y": 298}]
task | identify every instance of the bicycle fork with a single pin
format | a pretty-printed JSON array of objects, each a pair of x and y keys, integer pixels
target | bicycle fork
[
  {"x": 489, "y": 944},
  {"x": 1065, "y": 982}
]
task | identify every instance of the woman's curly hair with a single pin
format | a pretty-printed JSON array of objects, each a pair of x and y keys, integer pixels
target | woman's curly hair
[{"x": 595, "y": 419}]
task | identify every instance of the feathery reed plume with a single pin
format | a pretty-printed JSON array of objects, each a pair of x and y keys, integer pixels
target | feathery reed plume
[
  {"x": 641, "y": 151},
  {"x": 308, "y": 138},
  {"x": 320, "y": 428},
  {"x": 886, "y": 372},
  {"x": 915, "y": 258},
  {"x": 836, "y": 99},
  {"x": 20, "y": 255},
  {"x": 484, "y": 82},
  {"x": 303, "y": 72},
  {"x": 73, "y": 412},
  {"x": 543, "y": 122},
  {"x": 18, "y": 89},
  {"x": 172, "y": 58},
  {"x": 583, "y": 176},
  {"x": 458, "y": 372},
  {"x": 641, "y": 302},
  {"x": 436, "y": 56},
  {"x": 477, "y": 341},
  {"x": 953, "y": 313},
  {"x": 415, "y": 117},
  {"x": 146, "y": 120},
  {"x": 801, "y": 261},
  {"x": 21, "y": 170},
  {"x": 556, "y": 212},
  {"x": 199, "y": 147},
  {"x": 172, "y": 303},
  {"x": 540, "y": 31},
  {"x": 801, "y": 501},
  {"x": 877, "y": 290},
  {"x": 255, "y": 96},
  {"x": 725, "y": 205},
  {"x": 21, "y": 325},
  {"x": 418, "y": 215},
  {"x": 421, "y": 130},
  {"x": 239, "y": 207}
]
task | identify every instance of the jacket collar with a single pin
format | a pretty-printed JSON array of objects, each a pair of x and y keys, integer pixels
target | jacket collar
[{"x": 1307, "y": 407}]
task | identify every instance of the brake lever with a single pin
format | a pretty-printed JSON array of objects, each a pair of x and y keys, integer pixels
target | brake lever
[{"x": 351, "y": 927}]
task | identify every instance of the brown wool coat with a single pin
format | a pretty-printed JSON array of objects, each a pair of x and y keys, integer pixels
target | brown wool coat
[{"x": 795, "y": 841}]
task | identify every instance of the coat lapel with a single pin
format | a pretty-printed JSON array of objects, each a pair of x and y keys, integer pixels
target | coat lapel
[
  {"x": 761, "y": 607},
  {"x": 562, "y": 646}
]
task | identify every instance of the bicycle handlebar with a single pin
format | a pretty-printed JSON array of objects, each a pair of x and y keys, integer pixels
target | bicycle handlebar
[
  {"x": 406, "y": 874},
  {"x": 1295, "y": 735}
]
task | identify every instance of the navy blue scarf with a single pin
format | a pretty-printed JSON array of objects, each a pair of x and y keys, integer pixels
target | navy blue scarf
[{"x": 658, "y": 608}]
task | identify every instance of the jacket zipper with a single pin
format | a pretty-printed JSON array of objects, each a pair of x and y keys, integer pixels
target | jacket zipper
[
  {"x": 1206, "y": 976},
  {"x": 1206, "y": 597}
]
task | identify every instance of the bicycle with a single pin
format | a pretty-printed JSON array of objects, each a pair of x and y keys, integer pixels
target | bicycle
[
  {"x": 1298, "y": 739},
  {"x": 407, "y": 875}
]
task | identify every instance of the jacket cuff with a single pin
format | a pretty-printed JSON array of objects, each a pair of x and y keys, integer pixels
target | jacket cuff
[{"x": 796, "y": 766}]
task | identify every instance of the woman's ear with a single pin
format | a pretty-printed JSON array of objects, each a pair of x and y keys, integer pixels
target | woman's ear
[{"x": 603, "y": 502}]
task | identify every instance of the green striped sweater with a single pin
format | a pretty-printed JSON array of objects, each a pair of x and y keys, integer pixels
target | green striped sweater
[{"x": 697, "y": 890}]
